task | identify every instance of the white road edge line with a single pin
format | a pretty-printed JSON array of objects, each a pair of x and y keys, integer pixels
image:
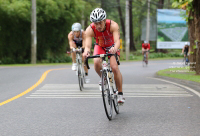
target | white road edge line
[{"x": 190, "y": 89}]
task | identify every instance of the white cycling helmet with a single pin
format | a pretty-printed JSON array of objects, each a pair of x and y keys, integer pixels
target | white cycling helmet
[
  {"x": 145, "y": 42},
  {"x": 97, "y": 15},
  {"x": 187, "y": 43},
  {"x": 76, "y": 27}
]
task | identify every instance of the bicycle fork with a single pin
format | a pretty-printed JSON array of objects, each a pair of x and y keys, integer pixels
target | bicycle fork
[{"x": 79, "y": 63}]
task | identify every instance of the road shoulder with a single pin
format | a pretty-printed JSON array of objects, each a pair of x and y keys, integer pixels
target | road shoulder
[{"x": 191, "y": 84}]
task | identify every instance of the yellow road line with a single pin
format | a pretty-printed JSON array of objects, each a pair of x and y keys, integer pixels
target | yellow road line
[{"x": 31, "y": 88}]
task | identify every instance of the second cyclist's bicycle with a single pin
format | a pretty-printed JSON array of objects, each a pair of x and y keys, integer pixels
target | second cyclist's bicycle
[
  {"x": 80, "y": 70},
  {"x": 108, "y": 86}
]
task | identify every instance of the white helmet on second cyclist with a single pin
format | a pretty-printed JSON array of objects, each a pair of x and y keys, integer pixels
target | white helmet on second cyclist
[
  {"x": 76, "y": 27},
  {"x": 97, "y": 15}
]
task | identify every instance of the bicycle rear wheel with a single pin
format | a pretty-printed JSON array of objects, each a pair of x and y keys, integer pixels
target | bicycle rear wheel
[
  {"x": 80, "y": 78},
  {"x": 184, "y": 61},
  {"x": 107, "y": 99}
]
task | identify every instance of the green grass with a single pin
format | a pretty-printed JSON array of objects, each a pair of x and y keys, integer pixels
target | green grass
[
  {"x": 137, "y": 56},
  {"x": 180, "y": 73},
  {"x": 133, "y": 56},
  {"x": 39, "y": 64}
]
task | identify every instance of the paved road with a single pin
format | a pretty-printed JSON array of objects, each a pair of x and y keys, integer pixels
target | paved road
[{"x": 55, "y": 106}]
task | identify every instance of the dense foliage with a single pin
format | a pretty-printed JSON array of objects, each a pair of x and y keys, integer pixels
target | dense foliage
[{"x": 54, "y": 20}]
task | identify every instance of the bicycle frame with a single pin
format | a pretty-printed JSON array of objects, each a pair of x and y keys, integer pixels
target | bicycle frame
[
  {"x": 106, "y": 67},
  {"x": 111, "y": 96},
  {"x": 110, "y": 76}
]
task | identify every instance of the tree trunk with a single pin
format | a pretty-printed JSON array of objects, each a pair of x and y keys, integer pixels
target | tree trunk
[
  {"x": 103, "y": 4},
  {"x": 196, "y": 6},
  {"x": 121, "y": 18},
  {"x": 132, "y": 46},
  {"x": 86, "y": 22},
  {"x": 191, "y": 33},
  {"x": 160, "y": 6},
  {"x": 168, "y": 5}
]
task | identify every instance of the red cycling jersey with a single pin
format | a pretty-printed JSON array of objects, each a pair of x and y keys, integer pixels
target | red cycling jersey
[
  {"x": 146, "y": 46},
  {"x": 105, "y": 38}
]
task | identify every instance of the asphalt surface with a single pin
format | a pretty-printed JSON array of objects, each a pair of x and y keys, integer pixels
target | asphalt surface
[{"x": 155, "y": 106}]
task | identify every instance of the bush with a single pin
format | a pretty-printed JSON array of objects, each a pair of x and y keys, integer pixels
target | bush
[
  {"x": 133, "y": 57},
  {"x": 54, "y": 20},
  {"x": 175, "y": 54},
  {"x": 163, "y": 55},
  {"x": 7, "y": 60}
]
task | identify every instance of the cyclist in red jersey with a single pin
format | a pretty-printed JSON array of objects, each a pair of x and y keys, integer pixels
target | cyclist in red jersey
[
  {"x": 107, "y": 35},
  {"x": 146, "y": 47}
]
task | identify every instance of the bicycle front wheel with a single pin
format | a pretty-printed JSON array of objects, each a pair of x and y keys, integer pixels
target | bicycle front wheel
[
  {"x": 144, "y": 62},
  {"x": 107, "y": 99},
  {"x": 80, "y": 78},
  {"x": 115, "y": 102}
]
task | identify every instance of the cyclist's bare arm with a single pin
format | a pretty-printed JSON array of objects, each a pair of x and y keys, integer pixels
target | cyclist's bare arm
[
  {"x": 71, "y": 42},
  {"x": 114, "y": 29},
  {"x": 183, "y": 49},
  {"x": 88, "y": 40},
  {"x": 143, "y": 49}
]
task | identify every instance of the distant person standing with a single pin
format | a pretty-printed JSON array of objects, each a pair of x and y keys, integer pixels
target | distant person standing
[{"x": 146, "y": 49}]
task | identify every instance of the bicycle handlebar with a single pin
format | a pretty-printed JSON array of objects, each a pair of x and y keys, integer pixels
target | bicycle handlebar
[{"x": 100, "y": 56}]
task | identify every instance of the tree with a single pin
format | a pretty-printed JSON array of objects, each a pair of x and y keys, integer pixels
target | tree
[
  {"x": 192, "y": 8},
  {"x": 132, "y": 46},
  {"x": 121, "y": 18},
  {"x": 196, "y": 6},
  {"x": 54, "y": 20},
  {"x": 160, "y": 4},
  {"x": 191, "y": 27},
  {"x": 103, "y": 4}
]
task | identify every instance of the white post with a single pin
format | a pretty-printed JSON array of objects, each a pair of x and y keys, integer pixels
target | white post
[
  {"x": 33, "y": 34},
  {"x": 127, "y": 35},
  {"x": 148, "y": 22}
]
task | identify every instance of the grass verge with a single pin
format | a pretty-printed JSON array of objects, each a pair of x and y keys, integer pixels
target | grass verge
[{"x": 180, "y": 73}]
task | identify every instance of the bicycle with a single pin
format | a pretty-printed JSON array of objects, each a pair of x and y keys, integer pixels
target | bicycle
[
  {"x": 108, "y": 86},
  {"x": 185, "y": 60},
  {"x": 80, "y": 70},
  {"x": 144, "y": 61}
]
